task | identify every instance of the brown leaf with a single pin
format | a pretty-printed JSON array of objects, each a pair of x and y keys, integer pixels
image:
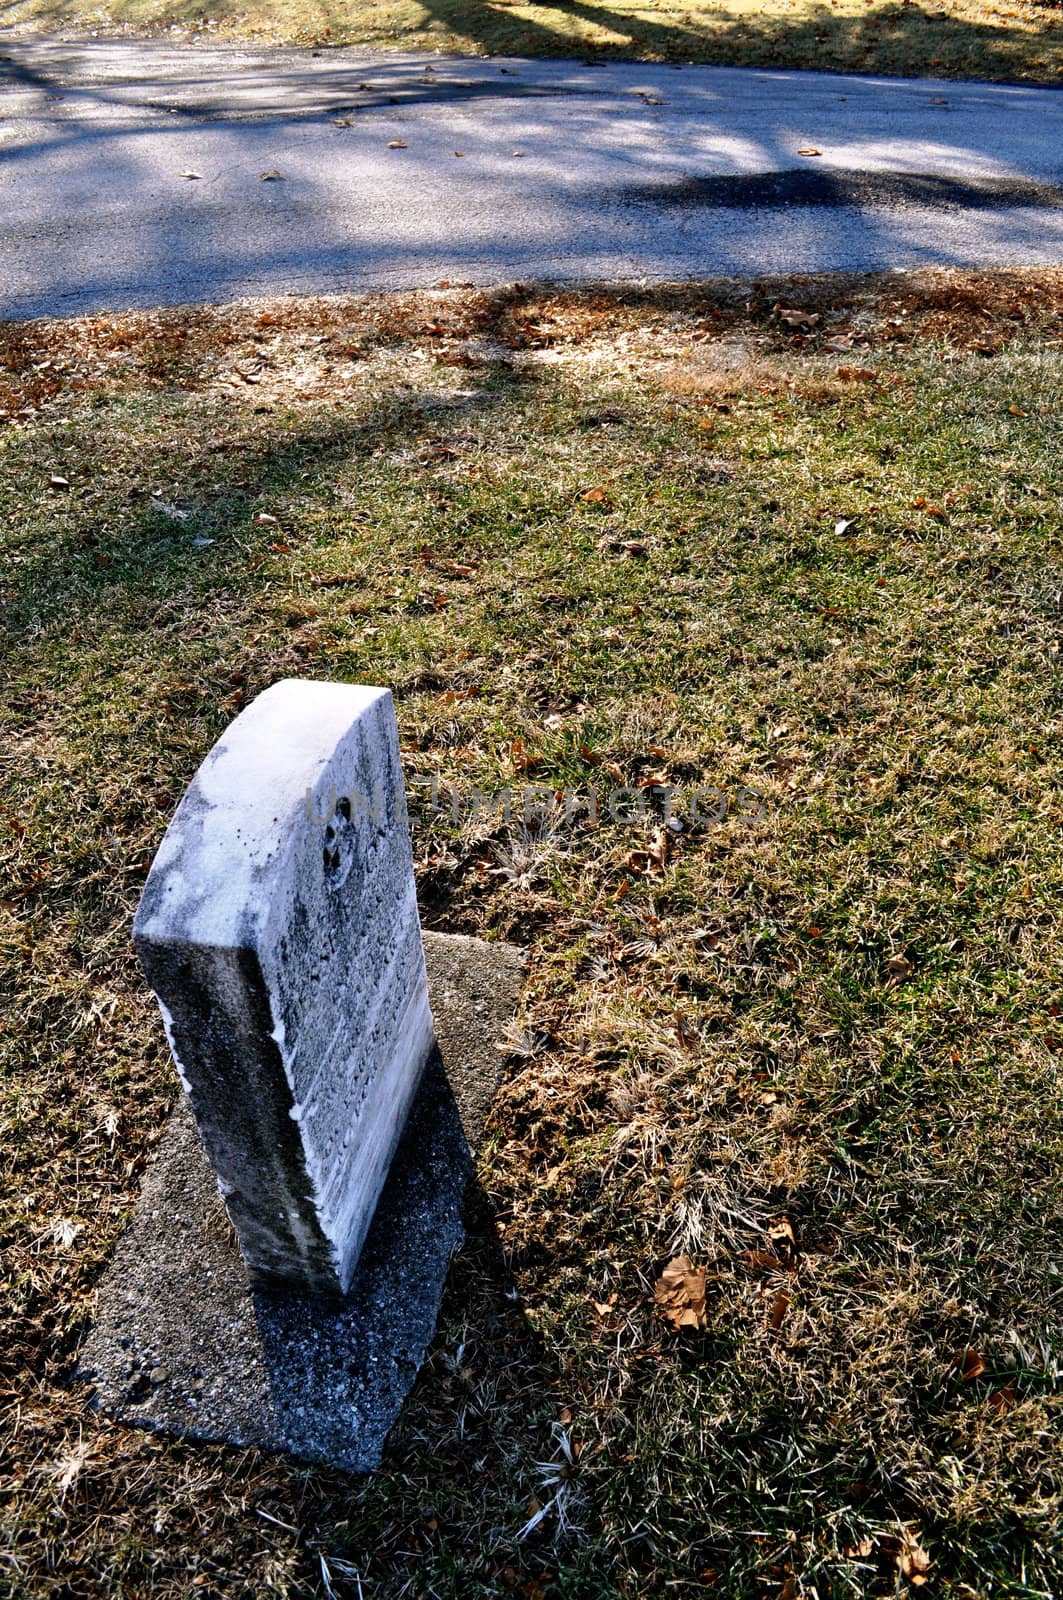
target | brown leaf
[
  {"x": 898, "y": 966},
  {"x": 781, "y": 1234},
  {"x": 612, "y": 769},
  {"x": 970, "y": 1365},
  {"x": 796, "y": 319},
  {"x": 397, "y": 144},
  {"x": 779, "y": 1307},
  {"x": 660, "y": 848},
  {"x": 596, "y": 496},
  {"x": 912, "y": 1559},
  {"x": 810, "y": 150},
  {"x": 1003, "y": 1399},
  {"x": 680, "y": 1294},
  {"x": 857, "y": 374}
]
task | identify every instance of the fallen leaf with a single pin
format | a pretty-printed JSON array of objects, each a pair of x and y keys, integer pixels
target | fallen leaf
[
  {"x": 841, "y": 524},
  {"x": 680, "y": 1294},
  {"x": 796, "y": 319},
  {"x": 397, "y": 144},
  {"x": 912, "y": 1559},
  {"x": 970, "y": 1365},
  {"x": 1003, "y": 1399},
  {"x": 781, "y": 1234},
  {"x": 271, "y": 177},
  {"x": 857, "y": 374},
  {"x": 190, "y": 174},
  {"x": 898, "y": 966},
  {"x": 56, "y": 482},
  {"x": 779, "y": 1307},
  {"x": 596, "y": 496},
  {"x": 761, "y": 1260},
  {"x": 809, "y": 150},
  {"x": 658, "y": 851}
]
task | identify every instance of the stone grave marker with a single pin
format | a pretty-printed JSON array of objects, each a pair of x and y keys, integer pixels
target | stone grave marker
[{"x": 280, "y": 933}]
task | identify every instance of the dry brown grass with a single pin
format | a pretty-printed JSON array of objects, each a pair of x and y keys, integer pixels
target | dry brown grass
[{"x": 952, "y": 38}]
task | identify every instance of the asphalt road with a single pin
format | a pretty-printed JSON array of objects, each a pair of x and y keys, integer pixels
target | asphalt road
[{"x": 398, "y": 171}]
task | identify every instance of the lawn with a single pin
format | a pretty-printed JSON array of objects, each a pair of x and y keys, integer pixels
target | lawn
[
  {"x": 797, "y": 543},
  {"x": 1006, "y": 39}
]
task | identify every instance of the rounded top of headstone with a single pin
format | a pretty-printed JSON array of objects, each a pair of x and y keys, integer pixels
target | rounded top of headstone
[{"x": 228, "y": 847}]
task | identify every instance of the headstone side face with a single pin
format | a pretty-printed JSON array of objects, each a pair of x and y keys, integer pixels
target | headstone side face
[
  {"x": 220, "y": 1028},
  {"x": 279, "y": 931}
]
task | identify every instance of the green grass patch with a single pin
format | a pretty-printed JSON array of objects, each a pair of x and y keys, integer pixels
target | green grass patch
[{"x": 811, "y": 1038}]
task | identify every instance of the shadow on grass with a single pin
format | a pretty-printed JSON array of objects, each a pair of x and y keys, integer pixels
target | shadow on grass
[
  {"x": 896, "y": 37},
  {"x": 481, "y": 1408}
]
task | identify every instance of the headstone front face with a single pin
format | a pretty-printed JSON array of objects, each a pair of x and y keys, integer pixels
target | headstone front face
[{"x": 279, "y": 931}]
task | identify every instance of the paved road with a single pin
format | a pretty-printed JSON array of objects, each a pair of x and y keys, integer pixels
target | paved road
[{"x": 402, "y": 170}]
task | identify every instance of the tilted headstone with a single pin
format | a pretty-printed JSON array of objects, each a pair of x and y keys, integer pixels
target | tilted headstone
[{"x": 279, "y": 931}]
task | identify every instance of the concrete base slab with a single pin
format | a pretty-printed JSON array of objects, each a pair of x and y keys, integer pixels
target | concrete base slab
[{"x": 183, "y": 1344}]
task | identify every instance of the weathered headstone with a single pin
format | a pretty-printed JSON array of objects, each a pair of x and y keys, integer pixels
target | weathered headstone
[{"x": 279, "y": 931}]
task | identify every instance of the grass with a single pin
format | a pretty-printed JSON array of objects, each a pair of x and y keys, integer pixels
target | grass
[
  {"x": 1005, "y": 39},
  {"x": 799, "y": 542}
]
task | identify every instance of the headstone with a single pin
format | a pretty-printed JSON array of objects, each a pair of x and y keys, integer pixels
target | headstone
[
  {"x": 183, "y": 1343},
  {"x": 279, "y": 931}
]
